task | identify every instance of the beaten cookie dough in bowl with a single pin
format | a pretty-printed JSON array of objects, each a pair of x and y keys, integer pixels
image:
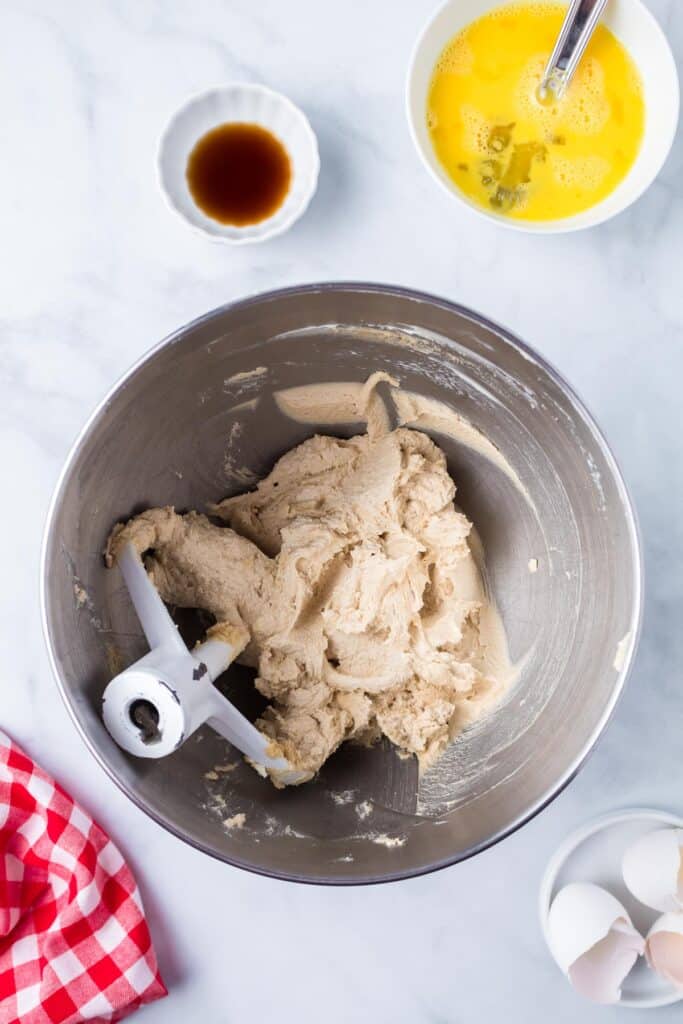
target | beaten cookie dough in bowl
[
  {"x": 361, "y": 478},
  {"x": 349, "y": 570}
]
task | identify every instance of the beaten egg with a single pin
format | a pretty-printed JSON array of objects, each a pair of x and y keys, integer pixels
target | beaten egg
[{"x": 509, "y": 152}]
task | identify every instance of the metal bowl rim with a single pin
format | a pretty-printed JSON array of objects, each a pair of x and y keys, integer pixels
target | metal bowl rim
[{"x": 527, "y": 352}]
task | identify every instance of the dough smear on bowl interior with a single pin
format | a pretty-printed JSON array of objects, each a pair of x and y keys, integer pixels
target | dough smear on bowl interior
[{"x": 349, "y": 570}]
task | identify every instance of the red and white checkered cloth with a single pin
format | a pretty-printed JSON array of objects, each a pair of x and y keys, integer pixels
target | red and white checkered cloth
[{"x": 74, "y": 943}]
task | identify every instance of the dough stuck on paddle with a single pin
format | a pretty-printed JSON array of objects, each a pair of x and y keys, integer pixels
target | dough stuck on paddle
[{"x": 350, "y": 570}]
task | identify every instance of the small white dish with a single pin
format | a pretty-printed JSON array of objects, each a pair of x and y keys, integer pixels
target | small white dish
[
  {"x": 634, "y": 25},
  {"x": 239, "y": 102},
  {"x": 594, "y": 854}
]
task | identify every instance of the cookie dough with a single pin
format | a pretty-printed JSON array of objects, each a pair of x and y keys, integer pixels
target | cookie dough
[{"x": 349, "y": 574}]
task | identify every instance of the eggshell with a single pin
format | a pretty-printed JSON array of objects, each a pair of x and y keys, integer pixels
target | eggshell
[
  {"x": 664, "y": 948},
  {"x": 653, "y": 869},
  {"x": 593, "y": 940}
]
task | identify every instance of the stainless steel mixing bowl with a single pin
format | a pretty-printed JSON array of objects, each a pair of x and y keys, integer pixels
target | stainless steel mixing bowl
[{"x": 176, "y": 430}]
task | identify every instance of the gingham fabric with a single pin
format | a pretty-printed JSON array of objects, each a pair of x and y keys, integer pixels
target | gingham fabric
[{"x": 74, "y": 943}]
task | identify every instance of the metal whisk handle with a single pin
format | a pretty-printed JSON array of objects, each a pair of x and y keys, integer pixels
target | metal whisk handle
[{"x": 577, "y": 29}]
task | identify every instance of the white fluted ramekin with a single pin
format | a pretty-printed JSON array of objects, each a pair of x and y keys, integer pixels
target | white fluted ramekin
[{"x": 239, "y": 102}]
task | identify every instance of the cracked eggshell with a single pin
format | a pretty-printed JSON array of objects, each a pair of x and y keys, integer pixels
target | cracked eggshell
[
  {"x": 591, "y": 937},
  {"x": 664, "y": 948},
  {"x": 653, "y": 869}
]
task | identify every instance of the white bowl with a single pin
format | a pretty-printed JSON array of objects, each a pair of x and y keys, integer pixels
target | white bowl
[
  {"x": 634, "y": 25},
  {"x": 594, "y": 854},
  {"x": 254, "y": 104}
]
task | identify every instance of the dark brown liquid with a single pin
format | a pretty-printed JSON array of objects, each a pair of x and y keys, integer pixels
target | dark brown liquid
[{"x": 239, "y": 173}]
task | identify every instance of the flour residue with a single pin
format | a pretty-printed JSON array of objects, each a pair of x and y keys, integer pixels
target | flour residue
[
  {"x": 391, "y": 842},
  {"x": 345, "y": 797},
  {"x": 233, "y": 468},
  {"x": 236, "y": 821},
  {"x": 246, "y": 376},
  {"x": 84, "y": 602},
  {"x": 364, "y": 809}
]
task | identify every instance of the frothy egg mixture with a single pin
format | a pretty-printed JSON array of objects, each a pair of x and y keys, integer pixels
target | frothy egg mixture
[{"x": 511, "y": 153}]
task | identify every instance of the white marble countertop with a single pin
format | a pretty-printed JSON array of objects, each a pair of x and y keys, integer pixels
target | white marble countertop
[{"x": 96, "y": 269}]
